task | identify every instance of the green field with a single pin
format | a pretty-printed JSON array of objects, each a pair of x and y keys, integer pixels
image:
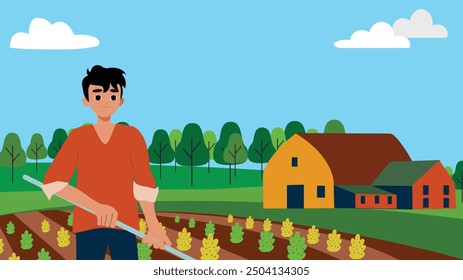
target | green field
[{"x": 171, "y": 179}]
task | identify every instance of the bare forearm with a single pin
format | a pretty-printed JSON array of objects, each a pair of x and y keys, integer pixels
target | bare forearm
[
  {"x": 76, "y": 196},
  {"x": 150, "y": 214}
]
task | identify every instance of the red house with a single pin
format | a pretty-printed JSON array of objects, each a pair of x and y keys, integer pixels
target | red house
[
  {"x": 363, "y": 197},
  {"x": 418, "y": 184}
]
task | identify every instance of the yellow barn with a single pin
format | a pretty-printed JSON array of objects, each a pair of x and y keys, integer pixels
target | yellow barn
[{"x": 305, "y": 169}]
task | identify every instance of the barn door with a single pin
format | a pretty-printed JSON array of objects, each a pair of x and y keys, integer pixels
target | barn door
[{"x": 295, "y": 196}]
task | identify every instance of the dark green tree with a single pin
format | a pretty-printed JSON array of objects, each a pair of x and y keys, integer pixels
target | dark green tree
[
  {"x": 175, "y": 137},
  {"x": 210, "y": 140},
  {"x": 36, "y": 149},
  {"x": 458, "y": 177},
  {"x": 261, "y": 149},
  {"x": 160, "y": 150},
  {"x": 334, "y": 126},
  {"x": 59, "y": 137},
  {"x": 191, "y": 151},
  {"x": 124, "y": 123},
  {"x": 235, "y": 152},
  {"x": 278, "y": 137},
  {"x": 227, "y": 129},
  {"x": 292, "y": 128},
  {"x": 12, "y": 154}
]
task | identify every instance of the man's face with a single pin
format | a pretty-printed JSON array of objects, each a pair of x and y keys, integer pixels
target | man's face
[{"x": 103, "y": 103}]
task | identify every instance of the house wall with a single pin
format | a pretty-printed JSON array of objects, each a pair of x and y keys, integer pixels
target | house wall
[
  {"x": 435, "y": 179},
  {"x": 403, "y": 193},
  {"x": 343, "y": 198},
  {"x": 312, "y": 171},
  {"x": 370, "y": 201}
]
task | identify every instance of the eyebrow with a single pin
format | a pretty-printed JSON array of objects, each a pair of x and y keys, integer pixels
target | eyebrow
[
  {"x": 97, "y": 90},
  {"x": 114, "y": 90}
]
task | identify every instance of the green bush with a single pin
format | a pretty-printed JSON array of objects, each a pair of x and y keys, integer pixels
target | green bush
[
  {"x": 10, "y": 227},
  {"x": 236, "y": 235},
  {"x": 266, "y": 241},
  {"x": 210, "y": 228},
  {"x": 26, "y": 240},
  {"x": 70, "y": 219},
  {"x": 44, "y": 255},
  {"x": 191, "y": 223},
  {"x": 144, "y": 251},
  {"x": 177, "y": 219},
  {"x": 296, "y": 247}
]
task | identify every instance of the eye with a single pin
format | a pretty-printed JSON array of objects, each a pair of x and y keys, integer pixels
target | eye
[
  {"x": 113, "y": 97},
  {"x": 97, "y": 97}
]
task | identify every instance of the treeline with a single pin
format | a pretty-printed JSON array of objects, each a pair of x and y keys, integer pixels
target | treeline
[{"x": 190, "y": 147}]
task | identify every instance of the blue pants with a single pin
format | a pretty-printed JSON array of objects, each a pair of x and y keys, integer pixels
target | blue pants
[{"x": 92, "y": 244}]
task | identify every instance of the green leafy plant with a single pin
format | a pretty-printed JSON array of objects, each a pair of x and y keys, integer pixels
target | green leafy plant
[
  {"x": 266, "y": 241},
  {"x": 236, "y": 235},
  {"x": 177, "y": 219},
  {"x": 26, "y": 240},
  {"x": 296, "y": 247},
  {"x": 191, "y": 223},
  {"x": 10, "y": 228},
  {"x": 210, "y": 228},
  {"x": 144, "y": 251},
  {"x": 70, "y": 219},
  {"x": 43, "y": 255}
]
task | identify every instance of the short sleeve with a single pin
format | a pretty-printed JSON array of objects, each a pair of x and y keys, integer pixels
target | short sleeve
[
  {"x": 63, "y": 166},
  {"x": 140, "y": 161}
]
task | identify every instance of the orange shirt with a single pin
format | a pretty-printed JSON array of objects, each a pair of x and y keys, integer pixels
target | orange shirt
[{"x": 105, "y": 172}]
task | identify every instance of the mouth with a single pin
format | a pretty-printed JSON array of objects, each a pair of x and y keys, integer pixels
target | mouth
[{"x": 105, "y": 107}]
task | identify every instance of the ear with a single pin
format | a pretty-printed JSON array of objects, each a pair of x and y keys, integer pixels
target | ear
[
  {"x": 85, "y": 102},
  {"x": 122, "y": 101}
]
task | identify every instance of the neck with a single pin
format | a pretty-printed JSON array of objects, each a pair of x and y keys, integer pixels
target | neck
[{"x": 104, "y": 121}]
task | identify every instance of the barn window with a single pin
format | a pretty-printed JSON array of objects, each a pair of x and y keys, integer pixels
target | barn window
[
  {"x": 362, "y": 199},
  {"x": 446, "y": 190},
  {"x": 376, "y": 199},
  {"x": 294, "y": 161},
  {"x": 425, "y": 202},
  {"x": 425, "y": 189},
  {"x": 446, "y": 203},
  {"x": 320, "y": 191},
  {"x": 389, "y": 200}
]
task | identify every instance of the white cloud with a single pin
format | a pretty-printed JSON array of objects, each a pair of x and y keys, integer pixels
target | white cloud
[
  {"x": 420, "y": 25},
  {"x": 46, "y": 36},
  {"x": 381, "y": 35}
]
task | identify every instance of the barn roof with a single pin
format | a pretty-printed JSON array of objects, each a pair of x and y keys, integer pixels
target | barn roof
[
  {"x": 363, "y": 189},
  {"x": 403, "y": 173},
  {"x": 357, "y": 159}
]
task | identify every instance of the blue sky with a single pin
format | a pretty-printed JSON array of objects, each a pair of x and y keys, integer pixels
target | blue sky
[{"x": 258, "y": 63}]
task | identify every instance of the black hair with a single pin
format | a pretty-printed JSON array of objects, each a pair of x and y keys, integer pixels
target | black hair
[{"x": 103, "y": 77}]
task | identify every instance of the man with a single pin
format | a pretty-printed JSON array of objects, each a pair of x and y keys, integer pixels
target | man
[{"x": 113, "y": 172}]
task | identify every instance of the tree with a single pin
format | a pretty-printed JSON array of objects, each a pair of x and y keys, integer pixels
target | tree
[
  {"x": 312, "y": 130},
  {"x": 449, "y": 170},
  {"x": 458, "y": 177},
  {"x": 261, "y": 149},
  {"x": 210, "y": 140},
  {"x": 235, "y": 152},
  {"x": 191, "y": 150},
  {"x": 160, "y": 150},
  {"x": 292, "y": 128},
  {"x": 175, "y": 137},
  {"x": 59, "y": 137},
  {"x": 334, "y": 126},
  {"x": 278, "y": 137},
  {"x": 36, "y": 149},
  {"x": 12, "y": 154},
  {"x": 123, "y": 123},
  {"x": 227, "y": 129}
]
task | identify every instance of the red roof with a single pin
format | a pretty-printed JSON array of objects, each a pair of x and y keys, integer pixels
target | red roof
[{"x": 357, "y": 159}]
